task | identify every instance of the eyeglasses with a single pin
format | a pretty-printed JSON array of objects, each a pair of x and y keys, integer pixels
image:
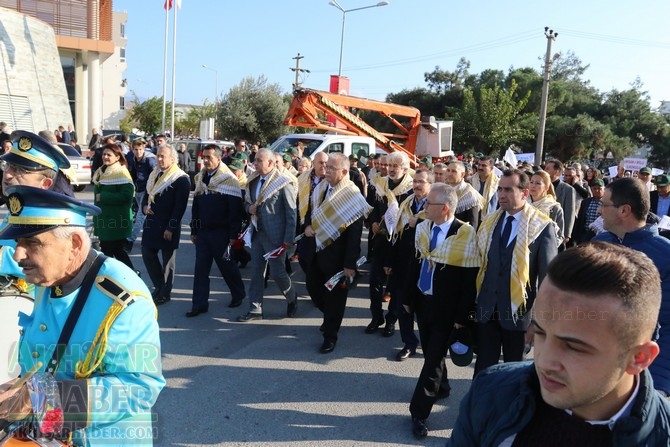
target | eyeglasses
[
  {"x": 435, "y": 203},
  {"x": 18, "y": 171}
]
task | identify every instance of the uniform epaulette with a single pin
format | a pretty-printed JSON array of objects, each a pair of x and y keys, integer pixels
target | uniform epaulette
[{"x": 115, "y": 291}]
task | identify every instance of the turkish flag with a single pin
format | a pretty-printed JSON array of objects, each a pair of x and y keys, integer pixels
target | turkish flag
[{"x": 167, "y": 4}]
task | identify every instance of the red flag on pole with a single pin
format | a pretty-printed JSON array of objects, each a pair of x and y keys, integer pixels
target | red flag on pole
[{"x": 167, "y": 4}]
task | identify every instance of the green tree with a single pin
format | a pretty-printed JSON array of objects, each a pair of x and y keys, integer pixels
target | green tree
[
  {"x": 148, "y": 114},
  {"x": 253, "y": 110},
  {"x": 489, "y": 120}
]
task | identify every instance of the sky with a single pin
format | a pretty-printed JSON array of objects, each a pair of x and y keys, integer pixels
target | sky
[{"x": 390, "y": 48}]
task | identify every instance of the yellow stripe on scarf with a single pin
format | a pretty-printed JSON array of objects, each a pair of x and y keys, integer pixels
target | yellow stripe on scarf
[
  {"x": 459, "y": 250},
  {"x": 531, "y": 223}
]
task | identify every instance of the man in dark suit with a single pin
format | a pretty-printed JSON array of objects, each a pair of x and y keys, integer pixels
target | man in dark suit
[
  {"x": 216, "y": 220},
  {"x": 441, "y": 291},
  {"x": 516, "y": 243},
  {"x": 565, "y": 195},
  {"x": 397, "y": 260},
  {"x": 164, "y": 205},
  {"x": 388, "y": 193},
  {"x": 336, "y": 224},
  {"x": 271, "y": 203},
  {"x": 589, "y": 211}
]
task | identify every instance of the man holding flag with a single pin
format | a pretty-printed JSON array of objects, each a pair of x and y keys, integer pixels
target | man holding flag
[
  {"x": 336, "y": 224},
  {"x": 271, "y": 203}
]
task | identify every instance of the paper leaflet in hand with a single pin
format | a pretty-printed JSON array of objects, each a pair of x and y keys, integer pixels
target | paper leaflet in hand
[
  {"x": 246, "y": 234},
  {"x": 277, "y": 252},
  {"x": 391, "y": 217},
  {"x": 337, "y": 277}
]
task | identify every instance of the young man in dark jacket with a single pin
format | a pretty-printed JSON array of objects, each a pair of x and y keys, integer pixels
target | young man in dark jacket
[{"x": 593, "y": 318}]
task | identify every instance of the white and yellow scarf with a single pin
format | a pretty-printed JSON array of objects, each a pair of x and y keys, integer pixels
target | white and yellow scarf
[
  {"x": 342, "y": 206},
  {"x": 242, "y": 179},
  {"x": 305, "y": 181},
  {"x": 223, "y": 181},
  {"x": 531, "y": 223},
  {"x": 459, "y": 249},
  {"x": 468, "y": 197},
  {"x": 404, "y": 215},
  {"x": 490, "y": 188},
  {"x": 155, "y": 188},
  {"x": 546, "y": 204},
  {"x": 382, "y": 190},
  {"x": 275, "y": 181},
  {"x": 115, "y": 174}
]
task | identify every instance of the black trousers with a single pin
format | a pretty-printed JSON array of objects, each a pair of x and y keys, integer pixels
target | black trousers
[
  {"x": 332, "y": 303},
  {"x": 377, "y": 282},
  {"x": 491, "y": 338},
  {"x": 210, "y": 246},
  {"x": 161, "y": 275},
  {"x": 434, "y": 328},
  {"x": 115, "y": 249}
]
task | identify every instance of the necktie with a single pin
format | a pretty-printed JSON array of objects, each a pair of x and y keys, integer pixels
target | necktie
[
  {"x": 160, "y": 173},
  {"x": 425, "y": 277},
  {"x": 325, "y": 194},
  {"x": 507, "y": 231},
  {"x": 260, "y": 187}
]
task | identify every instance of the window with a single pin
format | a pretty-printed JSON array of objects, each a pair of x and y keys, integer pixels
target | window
[
  {"x": 123, "y": 30},
  {"x": 122, "y": 103},
  {"x": 122, "y": 54}
]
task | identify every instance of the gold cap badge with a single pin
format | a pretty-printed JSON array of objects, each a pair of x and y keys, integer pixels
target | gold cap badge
[{"x": 25, "y": 143}]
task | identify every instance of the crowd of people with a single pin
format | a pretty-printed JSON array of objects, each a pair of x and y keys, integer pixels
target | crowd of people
[{"x": 483, "y": 258}]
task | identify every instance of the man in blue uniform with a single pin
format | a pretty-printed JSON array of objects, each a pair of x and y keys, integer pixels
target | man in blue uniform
[
  {"x": 216, "y": 220},
  {"x": 109, "y": 375}
]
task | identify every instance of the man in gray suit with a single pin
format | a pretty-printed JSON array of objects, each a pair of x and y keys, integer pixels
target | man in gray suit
[
  {"x": 515, "y": 243},
  {"x": 565, "y": 195},
  {"x": 271, "y": 203}
]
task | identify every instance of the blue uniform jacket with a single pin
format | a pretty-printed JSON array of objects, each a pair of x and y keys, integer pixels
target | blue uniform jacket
[{"x": 113, "y": 405}]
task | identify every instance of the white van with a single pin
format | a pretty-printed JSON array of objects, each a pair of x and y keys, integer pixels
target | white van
[{"x": 329, "y": 143}]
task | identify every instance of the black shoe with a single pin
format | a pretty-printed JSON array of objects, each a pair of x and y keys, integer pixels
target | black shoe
[
  {"x": 235, "y": 303},
  {"x": 195, "y": 313},
  {"x": 389, "y": 330},
  {"x": 327, "y": 346},
  {"x": 161, "y": 300},
  {"x": 249, "y": 316},
  {"x": 373, "y": 326},
  {"x": 419, "y": 428},
  {"x": 404, "y": 354},
  {"x": 292, "y": 308}
]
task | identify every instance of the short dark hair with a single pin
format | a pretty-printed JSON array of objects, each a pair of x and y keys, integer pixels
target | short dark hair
[
  {"x": 524, "y": 181},
  {"x": 217, "y": 150},
  {"x": 557, "y": 164},
  {"x": 598, "y": 269},
  {"x": 631, "y": 192}
]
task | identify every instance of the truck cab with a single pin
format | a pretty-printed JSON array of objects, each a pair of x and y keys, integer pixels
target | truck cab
[{"x": 329, "y": 143}]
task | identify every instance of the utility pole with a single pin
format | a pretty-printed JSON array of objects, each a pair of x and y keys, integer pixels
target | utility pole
[
  {"x": 551, "y": 36},
  {"x": 298, "y": 70}
]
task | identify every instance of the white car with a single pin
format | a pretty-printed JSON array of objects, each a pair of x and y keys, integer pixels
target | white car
[{"x": 80, "y": 165}]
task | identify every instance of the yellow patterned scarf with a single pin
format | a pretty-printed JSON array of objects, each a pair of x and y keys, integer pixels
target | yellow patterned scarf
[
  {"x": 382, "y": 190},
  {"x": 305, "y": 181},
  {"x": 275, "y": 181},
  {"x": 468, "y": 197},
  {"x": 156, "y": 187},
  {"x": 242, "y": 179},
  {"x": 115, "y": 174},
  {"x": 223, "y": 181},
  {"x": 546, "y": 204},
  {"x": 459, "y": 249},
  {"x": 404, "y": 215},
  {"x": 531, "y": 223},
  {"x": 490, "y": 188},
  {"x": 342, "y": 206}
]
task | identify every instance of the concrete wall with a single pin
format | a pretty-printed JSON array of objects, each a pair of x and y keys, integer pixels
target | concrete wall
[{"x": 32, "y": 90}]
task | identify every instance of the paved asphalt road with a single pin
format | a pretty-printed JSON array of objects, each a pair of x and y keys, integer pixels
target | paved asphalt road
[{"x": 264, "y": 383}]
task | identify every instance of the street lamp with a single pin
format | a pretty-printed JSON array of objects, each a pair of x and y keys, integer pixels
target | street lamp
[
  {"x": 216, "y": 81},
  {"x": 344, "y": 15}
]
